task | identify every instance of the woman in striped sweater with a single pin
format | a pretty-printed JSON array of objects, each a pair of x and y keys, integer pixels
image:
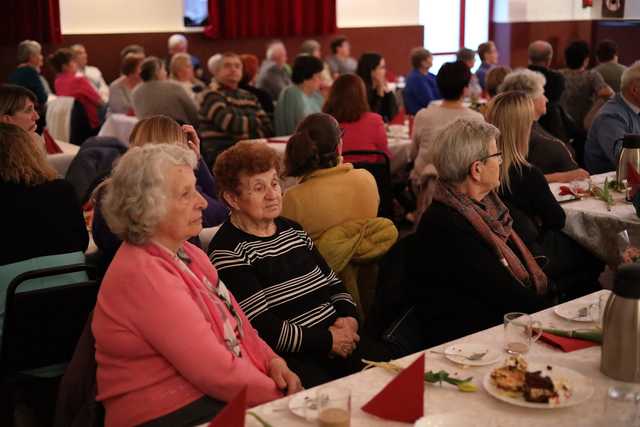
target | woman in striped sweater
[{"x": 271, "y": 265}]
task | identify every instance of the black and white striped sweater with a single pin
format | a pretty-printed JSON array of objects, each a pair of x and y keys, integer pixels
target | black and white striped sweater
[{"x": 285, "y": 287}]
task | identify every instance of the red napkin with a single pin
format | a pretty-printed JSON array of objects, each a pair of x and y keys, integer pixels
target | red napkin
[
  {"x": 50, "y": 144},
  {"x": 403, "y": 398},
  {"x": 633, "y": 179},
  {"x": 566, "y": 344},
  {"x": 233, "y": 414}
]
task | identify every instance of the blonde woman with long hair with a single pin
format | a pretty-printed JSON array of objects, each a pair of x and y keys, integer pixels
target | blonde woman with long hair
[
  {"x": 163, "y": 130},
  {"x": 537, "y": 216},
  {"x": 41, "y": 215}
]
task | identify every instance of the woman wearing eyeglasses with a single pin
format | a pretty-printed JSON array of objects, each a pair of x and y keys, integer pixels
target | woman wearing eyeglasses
[
  {"x": 469, "y": 265},
  {"x": 538, "y": 217}
]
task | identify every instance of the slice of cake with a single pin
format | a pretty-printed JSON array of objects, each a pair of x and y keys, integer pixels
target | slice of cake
[
  {"x": 511, "y": 376},
  {"x": 538, "y": 388}
]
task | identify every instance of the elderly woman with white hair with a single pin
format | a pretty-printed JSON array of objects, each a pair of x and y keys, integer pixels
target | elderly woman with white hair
[
  {"x": 182, "y": 72},
  {"x": 548, "y": 153},
  {"x": 172, "y": 344},
  {"x": 466, "y": 256}
]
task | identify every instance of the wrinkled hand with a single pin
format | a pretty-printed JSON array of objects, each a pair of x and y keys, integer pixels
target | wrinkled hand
[
  {"x": 193, "y": 141},
  {"x": 346, "y": 322},
  {"x": 579, "y": 174},
  {"x": 344, "y": 341},
  {"x": 284, "y": 377}
]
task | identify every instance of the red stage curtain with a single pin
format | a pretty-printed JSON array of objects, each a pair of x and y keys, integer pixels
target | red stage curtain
[
  {"x": 30, "y": 19},
  {"x": 270, "y": 18}
]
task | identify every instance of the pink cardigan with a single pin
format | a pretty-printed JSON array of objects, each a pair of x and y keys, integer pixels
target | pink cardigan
[
  {"x": 157, "y": 347},
  {"x": 368, "y": 133}
]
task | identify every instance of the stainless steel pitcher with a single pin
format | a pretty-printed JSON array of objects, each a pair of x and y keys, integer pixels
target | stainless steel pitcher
[
  {"x": 629, "y": 156},
  {"x": 621, "y": 327}
]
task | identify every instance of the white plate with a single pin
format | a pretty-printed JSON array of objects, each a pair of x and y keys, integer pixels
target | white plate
[
  {"x": 581, "y": 387},
  {"x": 449, "y": 419},
  {"x": 454, "y": 352},
  {"x": 555, "y": 189},
  {"x": 298, "y": 403},
  {"x": 570, "y": 312}
]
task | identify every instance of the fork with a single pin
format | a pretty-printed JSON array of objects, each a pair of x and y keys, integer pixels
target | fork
[{"x": 472, "y": 356}]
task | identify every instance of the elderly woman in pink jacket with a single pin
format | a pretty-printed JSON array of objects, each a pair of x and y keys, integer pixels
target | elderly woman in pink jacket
[{"x": 172, "y": 344}]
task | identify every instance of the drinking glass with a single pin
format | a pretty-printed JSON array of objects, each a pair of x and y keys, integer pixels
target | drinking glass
[
  {"x": 334, "y": 406},
  {"x": 520, "y": 331},
  {"x": 621, "y": 406}
]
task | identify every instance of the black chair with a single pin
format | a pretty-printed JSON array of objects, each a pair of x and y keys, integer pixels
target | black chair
[
  {"x": 381, "y": 171},
  {"x": 393, "y": 318},
  {"x": 79, "y": 127},
  {"x": 42, "y": 326}
]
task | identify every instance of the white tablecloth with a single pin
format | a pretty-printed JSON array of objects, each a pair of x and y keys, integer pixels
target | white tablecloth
[
  {"x": 484, "y": 408},
  {"x": 118, "y": 126},
  {"x": 61, "y": 161},
  {"x": 592, "y": 225}
]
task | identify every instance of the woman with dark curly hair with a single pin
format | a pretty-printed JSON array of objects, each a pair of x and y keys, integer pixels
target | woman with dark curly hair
[
  {"x": 302, "y": 98},
  {"x": 373, "y": 70},
  {"x": 271, "y": 265}
]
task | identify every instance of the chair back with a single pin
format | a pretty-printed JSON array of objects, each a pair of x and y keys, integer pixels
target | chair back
[
  {"x": 118, "y": 126},
  {"x": 381, "y": 171},
  {"x": 93, "y": 162},
  {"x": 79, "y": 126},
  {"x": 59, "y": 117},
  {"x": 42, "y": 326}
]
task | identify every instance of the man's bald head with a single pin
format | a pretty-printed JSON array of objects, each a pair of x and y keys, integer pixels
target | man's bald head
[{"x": 540, "y": 53}]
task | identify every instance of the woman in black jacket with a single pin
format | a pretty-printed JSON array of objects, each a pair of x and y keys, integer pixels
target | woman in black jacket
[
  {"x": 372, "y": 69},
  {"x": 468, "y": 264},
  {"x": 40, "y": 215},
  {"x": 538, "y": 217}
]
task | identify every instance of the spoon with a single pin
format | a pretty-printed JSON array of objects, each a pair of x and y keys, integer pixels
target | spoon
[
  {"x": 582, "y": 312},
  {"x": 472, "y": 356}
]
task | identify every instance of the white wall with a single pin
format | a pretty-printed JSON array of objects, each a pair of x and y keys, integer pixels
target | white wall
[
  {"x": 555, "y": 10},
  {"x": 120, "y": 16},
  {"x": 377, "y": 13},
  {"x": 149, "y": 16}
]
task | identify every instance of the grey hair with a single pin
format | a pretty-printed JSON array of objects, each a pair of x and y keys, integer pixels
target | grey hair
[
  {"x": 540, "y": 52},
  {"x": 458, "y": 145},
  {"x": 135, "y": 198},
  {"x": 26, "y": 48},
  {"x": 309, "y": 46},
  {"x": 214, "y": 62},
  {"x": 175, "y": 40},
  {"x": 630, "y": 75},
  {"x": 273, "y": 46},
  {"x": 524, "y": 80}
]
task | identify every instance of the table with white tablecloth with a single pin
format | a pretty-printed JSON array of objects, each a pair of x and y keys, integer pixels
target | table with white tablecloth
[
  {"x": 596, "y": 228},
  {"x": 485, "y": 409}
]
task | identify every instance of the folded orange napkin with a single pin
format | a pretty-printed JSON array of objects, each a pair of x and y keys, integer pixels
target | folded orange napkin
[
  {"x": 403, "y": 398},
  {"x": 566, "y": 344},
  {"x": 233, "y": 414}
]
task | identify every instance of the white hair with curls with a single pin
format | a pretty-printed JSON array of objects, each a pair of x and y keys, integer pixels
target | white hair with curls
[
  {"x": 630, "y": 75},
  {"x": 135, "y": 198},
  {"x": 524, "y": 80}
]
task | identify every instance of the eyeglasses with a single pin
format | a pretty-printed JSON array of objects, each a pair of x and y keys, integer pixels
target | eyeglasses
[
  {"x": 485, "y": 158},
  {"x": 497, "y": 154},
  {"x": 340, "y": 132}
]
